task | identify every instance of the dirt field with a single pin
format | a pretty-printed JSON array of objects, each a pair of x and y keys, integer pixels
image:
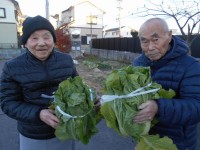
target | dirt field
[{"x": 94, "y": 70}]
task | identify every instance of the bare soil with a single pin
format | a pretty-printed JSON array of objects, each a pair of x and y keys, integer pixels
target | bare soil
[{"x": 94, "y": 70}]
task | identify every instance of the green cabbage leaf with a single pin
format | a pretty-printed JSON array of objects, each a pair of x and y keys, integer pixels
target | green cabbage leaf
[
  {"x": 74, "y": 107},
  {"x": 154, "y": 142},
  {"x": 119, "y": 113}
]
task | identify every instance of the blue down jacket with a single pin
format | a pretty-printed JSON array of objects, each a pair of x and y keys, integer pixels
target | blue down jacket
[
  {"x": 178, "y": 117},
  {"x": 23, "y": 81}
]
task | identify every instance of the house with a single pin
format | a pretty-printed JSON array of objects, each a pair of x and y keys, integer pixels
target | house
[
  {"x": 115, "y": 32},
  {"x": 9, "y": 12},
  {"x": 125, "y": 31},
  {"x": 85, "y": 22}
]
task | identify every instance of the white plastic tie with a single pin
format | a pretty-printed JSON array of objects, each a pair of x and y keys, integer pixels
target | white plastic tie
[
  {"x": 70, "y": 116},
  {"x": 108, "y": 98}
]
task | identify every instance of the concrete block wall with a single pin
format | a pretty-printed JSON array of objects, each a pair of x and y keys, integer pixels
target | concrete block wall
[
  {"x": 122, "y": 56},
  {"x": 10, "y": 53}
]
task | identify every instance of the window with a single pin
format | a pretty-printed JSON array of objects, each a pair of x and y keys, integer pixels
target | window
[
  {"x": 2, "y": 13},
  {"x": 84, "y": 40},
  {"x": 71, "y": 19},
  {"x": 91, "y": 19}
]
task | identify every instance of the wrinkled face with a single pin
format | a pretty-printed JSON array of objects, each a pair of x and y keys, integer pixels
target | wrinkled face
[
  {"x": 40, "y": 44},
  {"x": 154, "y": 40}
]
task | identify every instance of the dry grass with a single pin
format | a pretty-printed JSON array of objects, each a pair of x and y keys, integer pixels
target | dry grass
[{"x": 95, "y": 75}]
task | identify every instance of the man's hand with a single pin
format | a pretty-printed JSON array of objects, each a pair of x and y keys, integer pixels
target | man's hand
[
  {"x": 48, "y": 116},
  {"x": 147, "y": 111}
]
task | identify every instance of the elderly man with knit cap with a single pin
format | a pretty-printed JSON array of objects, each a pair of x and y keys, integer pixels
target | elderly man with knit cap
[{"x": 27, "y": 77}]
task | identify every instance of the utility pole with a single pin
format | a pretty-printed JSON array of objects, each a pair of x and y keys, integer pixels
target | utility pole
[
  {"x": 119, "y": 19},
  {"x": 91, "y": 17},
  {"x": 47, "y": 9}
]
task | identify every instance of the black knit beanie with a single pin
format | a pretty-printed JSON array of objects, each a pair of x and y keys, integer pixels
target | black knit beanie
[{"x": 32, "y": 24}]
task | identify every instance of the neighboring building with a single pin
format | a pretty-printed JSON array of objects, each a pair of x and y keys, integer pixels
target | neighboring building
[
  {"x": 115, "y": 32},
  {"x": 9, "y": 12},
  {"x": 125, "y": 32},
  {"x": 85, "y": 22}
]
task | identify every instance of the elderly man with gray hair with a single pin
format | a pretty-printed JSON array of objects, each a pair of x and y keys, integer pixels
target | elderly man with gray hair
[{"x": 172, "y": 67}]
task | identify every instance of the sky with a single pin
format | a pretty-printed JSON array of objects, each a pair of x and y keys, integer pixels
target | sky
[{"x": 37, "y": 7}]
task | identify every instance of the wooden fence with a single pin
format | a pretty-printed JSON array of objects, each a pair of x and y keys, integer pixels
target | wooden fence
[{"x": 133, "y": 45}]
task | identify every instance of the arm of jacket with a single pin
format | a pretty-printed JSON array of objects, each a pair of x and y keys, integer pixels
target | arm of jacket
[
  {"x": 12, "y": 102},
  {"x": 185, "y": 109}
]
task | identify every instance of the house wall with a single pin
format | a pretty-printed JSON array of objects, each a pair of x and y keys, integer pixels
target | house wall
[
  {"x": 79, "y": 13},
  {"x": 67, "y": 14},
  {"x": 124, "y": 32},
  {"x": 8, "y": 26},
  {"x": 82, "y": 22},
  {"x": 8, "y": 35},
  {"x": 95, "y": 32},
  {"x": 84, "y": 10}
]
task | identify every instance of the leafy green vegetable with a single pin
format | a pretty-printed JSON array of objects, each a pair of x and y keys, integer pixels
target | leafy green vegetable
[
  {"x": 97, "y": 64},
  {"x": 154, "y": 142},
  {"x": 75, "y": 109},
  {"x": 119, "y": 113}
]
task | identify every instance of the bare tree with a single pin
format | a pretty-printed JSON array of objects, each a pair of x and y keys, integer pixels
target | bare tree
[{"x": 186, "y": 14}]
